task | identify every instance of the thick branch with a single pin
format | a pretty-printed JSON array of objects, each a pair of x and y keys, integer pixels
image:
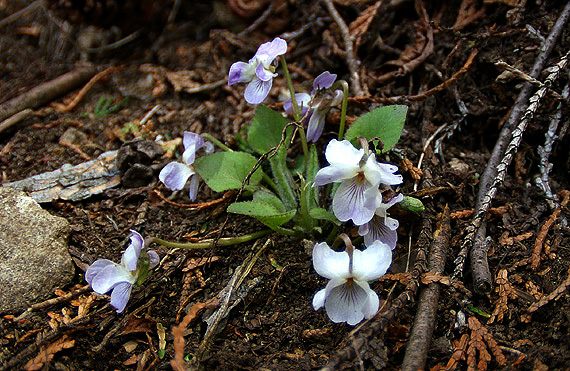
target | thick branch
[{"x": 46, "y": 92}]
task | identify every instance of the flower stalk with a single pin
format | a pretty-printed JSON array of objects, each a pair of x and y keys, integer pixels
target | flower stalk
[{"x": 224, "y": 241}]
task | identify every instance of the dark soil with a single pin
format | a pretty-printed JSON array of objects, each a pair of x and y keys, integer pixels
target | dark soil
[{"x": 275, "y": 326}]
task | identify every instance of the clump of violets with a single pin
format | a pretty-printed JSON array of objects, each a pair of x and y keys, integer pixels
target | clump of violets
[
  {"x": 316, "y": 106},
  {"x": 175, "y": 175},
  {"x": 382, "y": 227},
  {"x": 259, "y": 71},
  {"x": 348, "y": 297},
  {"x": 357, "y": 198},
  {"x": 104, "y": 275}
]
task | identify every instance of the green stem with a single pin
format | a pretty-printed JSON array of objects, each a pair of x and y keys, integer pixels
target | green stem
[
  {"x": 269, "y": 182},
  {"x": 330, "y": 239},
  {"x": 296, "y": 111},
  {"x": 288, "y": 232},
  {"x": 344, "y": 105},
  {"x": 216, "y": 142},
  {"x": 304, "y": 145},
  {"x": 297, "y": 115},
  {"x": 226, "y": 241}
]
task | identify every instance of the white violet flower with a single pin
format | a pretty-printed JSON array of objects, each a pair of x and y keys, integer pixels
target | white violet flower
[
  {"x": 259, "y": 71},
  {"x": 104, "y": 275},
  {"x": 348, "y": 297},
  {"x": 359, "y": 175},
  {"x": 382, "y": 227},
  {"x": 175, "y": 175},
  {"x": 318, "y": 104}
]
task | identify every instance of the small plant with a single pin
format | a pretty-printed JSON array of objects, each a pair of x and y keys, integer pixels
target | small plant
[
  {"x": 289, "y": 199},
  {"x": 106, "y": 107},
  {"x": 104, "y": 275}
]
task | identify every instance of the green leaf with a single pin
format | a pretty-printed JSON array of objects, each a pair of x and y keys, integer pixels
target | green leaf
[
  {"x": 269, "y": 197},
  {"x": 266, "y": 129},
  {"x": 227, "y": 170},
  {"x": 323, "y": 214},
  {"x": 478, "y": 311},
  {"x": 412, "y": 204},
  {"x": 385, "y": 123},
  {"x": 266, "y": 213}
]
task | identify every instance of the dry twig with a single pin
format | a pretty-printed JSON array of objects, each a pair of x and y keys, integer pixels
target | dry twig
[
  {"x": 544, "y": 152},
  {"x": 15, "y": 119},
  {"x": 351, "y": 59},
  {"x": 553, "y": 295},
  {"x": 406, "y": 99},
  {"x": 46, "y": 92},
  {"x": 425, "y": 320},
  {"x": 485, "y": 194},
  {"x": 360, "y": 25},
  {"x": 75, "y": 101},
  {"x": 197, "y": 206},
  {"x": 475, "y": 230},
  {"x": 535, "y": 257},
  {"x": 54, "y": 301}
]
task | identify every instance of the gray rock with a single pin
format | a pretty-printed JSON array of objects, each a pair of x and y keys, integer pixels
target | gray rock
[{"x": 34, "y": 260}]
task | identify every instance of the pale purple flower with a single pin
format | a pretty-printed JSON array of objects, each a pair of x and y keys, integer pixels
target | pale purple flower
[
  {"x": 382, "y": 227},
  {"x": 318, "y": 104},
  {"x": 259, "y": 71},
  {"x": 359, "y": 175},
  {"x": 104, "y": 275},
  {"x": 175, "y": 174},
  {"x": 348, "y": 297}
]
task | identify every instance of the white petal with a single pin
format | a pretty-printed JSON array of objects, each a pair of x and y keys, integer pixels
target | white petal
[
  {"x": 372, "y": 263},
  {"x": 257, "y": 90},
  {"x": 109, "y": 277},
  {"x": 120, "y": 296},
  {"x": 192, "y": 143},
  {"x": 192, "y": 140},
  {"x": 264, "y": 74},
  {"x": 350, "y": 200},
  {"x": 324, "y": 81},
  {"x": 270, "y": 50},
  {"x": 303, "y": 100},
  {"x": 334, "y": 173},
  {"x": 372, "y": 304},
  {"x": 391, "y": 223},
  {"x": 316, "y": 125},
  {"x": 329, "y": 263},
  {"x": 131, "y": 255},
  {"x": 174, "y": 175},
  {"x": 344, "y": 303},
  {"x": 193, "y": 187},
  {"x": 377, "y": 230},
  {"x": 388, "y": 174},
  {"x": 337, "y": 98},
  {"x": 241, "y": 72},
  {"x": 154, "y": 259},
  {"x": 95, "y": 268},
  {"x": 372, "y": 171},
  {"x": 208, "y": 147},
  {"x": 373, "y": 198},
  {"x": 343, "y": 152},
  {"x": 319, "y": 299}
]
